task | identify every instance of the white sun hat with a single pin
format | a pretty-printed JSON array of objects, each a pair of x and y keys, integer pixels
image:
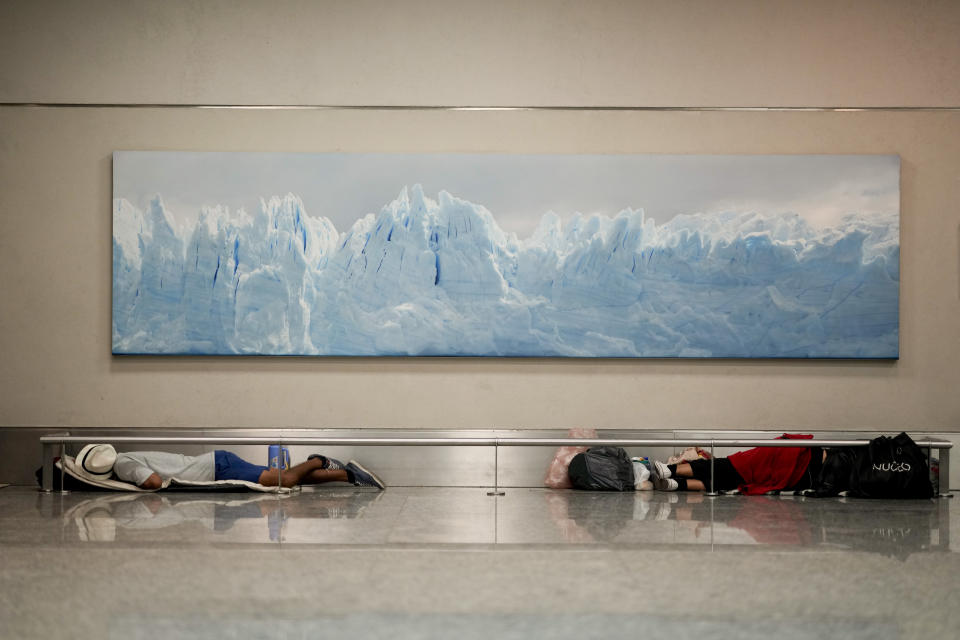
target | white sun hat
[{"x": 95, "y": 461}]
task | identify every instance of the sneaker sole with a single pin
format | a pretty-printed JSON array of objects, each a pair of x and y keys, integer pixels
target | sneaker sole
[
  {"x": 379, "y": 482},
  {"x": 659, "y": 483}
]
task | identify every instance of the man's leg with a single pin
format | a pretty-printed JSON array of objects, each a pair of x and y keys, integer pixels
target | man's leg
[
  {"x": 316, "y": 470},
  {"x": 725, "y": 476},
  {"x": 320, "y": 476},
  {"x": 297, "y": 474},
  {"x": 674, "y": 477},
  {"x": 683, "y": 470}
]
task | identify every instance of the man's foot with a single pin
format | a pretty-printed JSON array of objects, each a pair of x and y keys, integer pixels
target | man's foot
[
  {"x": 662, "y": 469},
  {"x": 331, "y": 464},
  {"x": 363, "y": 477},
  {"x": 661, "y": 483}
]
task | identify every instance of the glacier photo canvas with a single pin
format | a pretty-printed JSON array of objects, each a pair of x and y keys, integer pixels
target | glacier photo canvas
[{"x": 542, "y": 255}]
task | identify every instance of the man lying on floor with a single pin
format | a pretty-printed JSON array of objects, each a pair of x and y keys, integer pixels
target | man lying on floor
[
  {"x": 752, "y": 472},
  {"x": 150, "y": 469}
]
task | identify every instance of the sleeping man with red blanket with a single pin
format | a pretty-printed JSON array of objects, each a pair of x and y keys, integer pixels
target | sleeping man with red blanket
[{"x": 753, "y": 472}]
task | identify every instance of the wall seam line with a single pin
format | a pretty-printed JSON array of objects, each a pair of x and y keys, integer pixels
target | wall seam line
[{"x": 373, "y": 107}]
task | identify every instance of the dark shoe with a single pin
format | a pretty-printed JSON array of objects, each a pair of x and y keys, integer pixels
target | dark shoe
[
  {"x": 364, "y": 478},
  {"x": 329, "y": 463}
]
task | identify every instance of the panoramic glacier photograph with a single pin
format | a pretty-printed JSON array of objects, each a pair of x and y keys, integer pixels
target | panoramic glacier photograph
[{"x": 506, "y": 255}]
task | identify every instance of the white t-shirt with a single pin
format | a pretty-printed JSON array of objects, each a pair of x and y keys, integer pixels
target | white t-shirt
[{"x": 136, "y": 466}]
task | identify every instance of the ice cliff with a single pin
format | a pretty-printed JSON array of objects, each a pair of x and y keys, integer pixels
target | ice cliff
[{"x": 439, "y": 277}]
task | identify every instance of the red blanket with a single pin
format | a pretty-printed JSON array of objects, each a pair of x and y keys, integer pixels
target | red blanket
[{"x": 771, "y": 468}]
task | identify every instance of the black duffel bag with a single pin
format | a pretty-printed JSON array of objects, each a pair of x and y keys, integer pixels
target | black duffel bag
[
  {"x": 891, "y": 468},
  {"x": 602, "y": 469}
]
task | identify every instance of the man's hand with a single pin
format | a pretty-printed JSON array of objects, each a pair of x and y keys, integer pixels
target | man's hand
[{"x": 151, "y": 483}]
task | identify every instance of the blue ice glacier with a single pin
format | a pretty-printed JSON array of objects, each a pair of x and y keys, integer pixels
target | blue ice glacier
[{"x": 439, "y": 277}]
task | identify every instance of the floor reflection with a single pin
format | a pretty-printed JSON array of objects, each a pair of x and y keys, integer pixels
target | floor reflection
[
  {"x": 455, "y": 563},
  {"x": 188, "y": 515},
  {"x": 893, "y": 528},
  {"x": 348, "y": 516}
]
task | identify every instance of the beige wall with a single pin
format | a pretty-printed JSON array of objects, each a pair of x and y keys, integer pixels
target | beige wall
[
  {"x": 55, "y": 188},
  {"x": 843, "y": 53}
]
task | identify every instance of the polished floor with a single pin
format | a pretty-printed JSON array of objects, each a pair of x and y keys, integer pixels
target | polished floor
[{"x": 457, "y": 563}]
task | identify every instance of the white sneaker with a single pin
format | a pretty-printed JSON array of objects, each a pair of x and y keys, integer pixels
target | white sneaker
[
  {"x": 662, "y": 470},
  {"x": 667, "y": 484},
  {"x": 661, "y": 483}
]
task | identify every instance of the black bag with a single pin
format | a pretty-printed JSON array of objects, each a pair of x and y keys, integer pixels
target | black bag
[
  {"x": 835, "y": 473},
  {"x": 602, "y": 469},
  {"x": 891, "y": 468}
]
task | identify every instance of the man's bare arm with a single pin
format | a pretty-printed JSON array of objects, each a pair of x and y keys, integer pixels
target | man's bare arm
[{"x": 153, "y": 482}]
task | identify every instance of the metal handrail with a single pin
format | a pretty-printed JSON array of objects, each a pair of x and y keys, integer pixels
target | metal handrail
[
  {"x": 476, "y": 442},
  {"x": 48, "y": 441}
]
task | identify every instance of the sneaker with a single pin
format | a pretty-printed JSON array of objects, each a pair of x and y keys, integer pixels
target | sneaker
[
  {"x": 661, "y": 483},
  {"x": 332, "y": 463},
  {"x": 662, "y": 469},
  {"x": 364, "y": 478}
]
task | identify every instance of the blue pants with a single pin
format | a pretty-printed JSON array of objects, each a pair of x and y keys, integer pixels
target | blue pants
[{"x": 230, "y": 466}]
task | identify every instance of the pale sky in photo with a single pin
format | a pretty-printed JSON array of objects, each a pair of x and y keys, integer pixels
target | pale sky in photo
[{"x": 517, "y": 188}]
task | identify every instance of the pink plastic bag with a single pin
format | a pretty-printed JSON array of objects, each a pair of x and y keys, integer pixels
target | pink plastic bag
[{"x": 557, "y": 477}]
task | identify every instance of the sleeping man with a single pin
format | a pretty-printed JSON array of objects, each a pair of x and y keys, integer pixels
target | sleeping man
[{"x": 150, "y": 469}]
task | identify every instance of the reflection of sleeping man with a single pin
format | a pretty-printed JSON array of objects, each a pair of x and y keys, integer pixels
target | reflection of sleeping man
[
  {"x": 157, "y": 512},
  {"x": 98, "y": 519}
]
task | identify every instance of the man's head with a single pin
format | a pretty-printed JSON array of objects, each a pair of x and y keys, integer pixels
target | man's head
[{"x": 95, "y": 461}]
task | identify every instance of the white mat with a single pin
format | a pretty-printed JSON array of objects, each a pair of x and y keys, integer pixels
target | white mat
[{"x": 117, "y": 485}]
